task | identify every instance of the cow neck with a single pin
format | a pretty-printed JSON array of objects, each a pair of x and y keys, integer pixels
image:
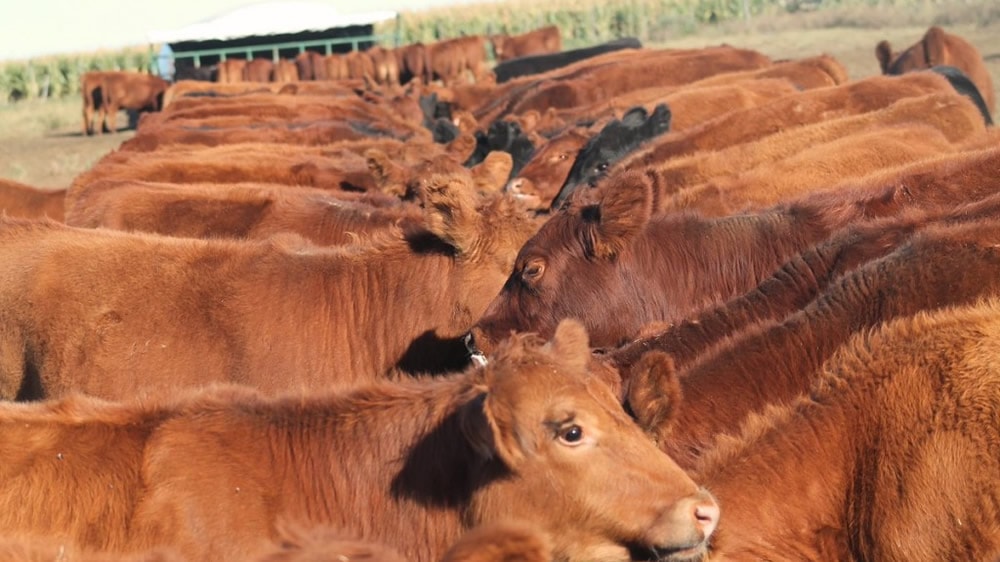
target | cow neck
[
  {"x": 770, "y": 364},
  {"x": 699, "y": 262},
  {"x": 783, "y": 485},
  {"x": 394, "y": 448},
  {"x": 391, "y": 294}
]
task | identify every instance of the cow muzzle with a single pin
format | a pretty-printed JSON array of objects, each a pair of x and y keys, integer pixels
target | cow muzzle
[{"x": 478, "y": 357}]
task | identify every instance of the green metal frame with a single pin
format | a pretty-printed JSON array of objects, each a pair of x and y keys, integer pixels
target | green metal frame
[{"x": 248, "y": 51}]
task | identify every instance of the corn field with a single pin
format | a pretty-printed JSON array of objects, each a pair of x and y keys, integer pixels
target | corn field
[
  {"x": 582, "y": 22},
  {"x": 59, "y": 75}
]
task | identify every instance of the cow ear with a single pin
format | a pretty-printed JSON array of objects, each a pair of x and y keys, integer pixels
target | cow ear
[
  {"x": 461, "y": 148},
  {"x": 490, "y": 175},
  {"x": 934, "y": 46},
  {"x": 450, "y": 210},
  {"x": 625, "y": 208},
  {"x": 571, "y": 346},
  {"x": 655, "y": 393},
  {"x": 389, "y": 177},
  {"x": 489, "y": 434},
  {"x": 883, "y": 52}
]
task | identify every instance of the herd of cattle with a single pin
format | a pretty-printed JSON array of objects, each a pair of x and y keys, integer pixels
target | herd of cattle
[
  {"x": 668, "y": 305},
  {"x": 446, "y": 61}
]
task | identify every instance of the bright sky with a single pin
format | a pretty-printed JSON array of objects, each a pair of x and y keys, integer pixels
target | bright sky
[{"x": 30, "y": 28}]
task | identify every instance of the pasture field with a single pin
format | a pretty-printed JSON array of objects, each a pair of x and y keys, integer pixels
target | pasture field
[{"x": 41, "y": 144}]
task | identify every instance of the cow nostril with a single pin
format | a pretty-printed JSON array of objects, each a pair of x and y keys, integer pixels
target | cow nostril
[{"x": 707, "y": 516}]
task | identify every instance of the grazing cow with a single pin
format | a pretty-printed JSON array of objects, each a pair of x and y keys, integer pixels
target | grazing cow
[
  {"x": 540, "y": 41},
  {"x": 24, "y": 201},
  {"x": 943, "y": 265},
  {"x": 414, "y": 64},
  {"x": 604, "y": 260},
  {"x": 230, "y": 71},
  {"x": 815, "y": 168},
  {"x": 891, "y": 456},
  {"x": 234, "y": 211},
  {"x": 275, "y": 314},
  {"x": 200, "y": 89},
  {"x": 286, "y": 71},
  {"x": 938, "y": 48},
  {"x": 90, "y": 88},
  {"x": 538, "y": 64},
  {"x": 791, "y": 287},
  {"x": 259, "y": 70},
  {"x": 949, "y": 111},
  {"x": 810, "y": 106},
  {"x": 654, "y": 69},
  {"x": 534, "y": 436},
  {"x": 132, "y": 91}
]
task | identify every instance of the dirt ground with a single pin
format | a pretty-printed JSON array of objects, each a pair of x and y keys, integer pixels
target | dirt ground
[{"x": 41, "y": 144}]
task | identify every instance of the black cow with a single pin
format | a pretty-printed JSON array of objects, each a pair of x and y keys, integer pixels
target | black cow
[
  {"x": 508, "y": 137},
  {"x": 615, "y": 141},
  {"x": 964, "y": 85},
  {"x": 537, "y": 64}
]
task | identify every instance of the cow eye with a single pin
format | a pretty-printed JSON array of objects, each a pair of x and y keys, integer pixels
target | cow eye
[
  {"x": 602, "y": 166},
  {"x": 533, "y": 270},
  {"x": 572, "y": 435},
  {"x": 562, "y": 156}
]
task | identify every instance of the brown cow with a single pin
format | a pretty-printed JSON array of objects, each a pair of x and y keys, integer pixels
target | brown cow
[
  {"x": 230, "y": 71},
  {"x": 810, "y": 106},
  {"x": 943, "y": 265},
  {"x": 536, "y": 42},
  {"x": 130, "y": 90},
  {"x": 953, "y": 115},
  {"x": 815, "y": 168},
  {"x": 243, "y": 211},
  {"x": 285, "y": 71},
  {"x": 90, "y": 88},
  {"x": 602, "y": 259},
  {"x": 938, "y": 48},
  {"x": 259, "y": 70},
  {"x": 386, "y": 69},
  {"x": 505, "y": 541},
  {"x": 791, "y": 287},
  {"x": 534, "y": 436},
  {"x": 891, "y": 455},
  {"x": 336, "y": 67},
  {"x": 25, "y": 201},
  {"x": 414, "y": 63},
  {"x": 658, "y": 68},
  {"x": 275, "y": 314}
]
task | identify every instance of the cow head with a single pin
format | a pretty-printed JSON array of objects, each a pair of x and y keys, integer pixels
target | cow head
[
  {"x": 541, "y": 178},
  {"x": 930, "y": 51},
  {"x": 485, "y": 234},
  {"x": 576, "y": 266},
  {"x": 615, "y": 141},
  {"x": 576, "y": 466}
]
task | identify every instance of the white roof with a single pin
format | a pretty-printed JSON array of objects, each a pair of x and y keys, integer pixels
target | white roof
[{"x": 268, "y": 18}]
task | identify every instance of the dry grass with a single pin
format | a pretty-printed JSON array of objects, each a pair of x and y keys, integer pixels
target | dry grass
[{"x": 41, "y": 144}]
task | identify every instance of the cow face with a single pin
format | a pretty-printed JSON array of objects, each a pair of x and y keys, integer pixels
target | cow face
[
  {"x": 485, "y": 233},
  {"x": 579, "y": 467},
  {"x": 576, "y": 266},
  {"x": 541, "y": 178}
]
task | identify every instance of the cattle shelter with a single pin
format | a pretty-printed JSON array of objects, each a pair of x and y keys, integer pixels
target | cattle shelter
[{"x": 266, "y": 30}]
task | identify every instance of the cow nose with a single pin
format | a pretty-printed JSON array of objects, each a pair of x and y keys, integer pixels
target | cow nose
[
  {"x": 706, "y": 515},
  {"x": 477, "y": 357}
]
